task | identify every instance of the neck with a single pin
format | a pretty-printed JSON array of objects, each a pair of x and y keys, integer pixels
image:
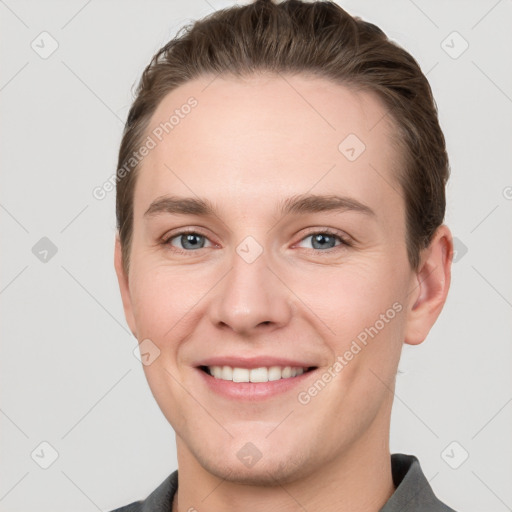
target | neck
[{"x": 358, "y": 480}]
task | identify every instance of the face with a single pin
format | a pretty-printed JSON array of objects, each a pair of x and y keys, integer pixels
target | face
[{"x": 300, "y": 263}]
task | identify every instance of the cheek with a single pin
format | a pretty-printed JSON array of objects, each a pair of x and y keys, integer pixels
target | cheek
[
  {"x": 367, "y": 317},
  {"x": 353, "y": 296},
  {"x": 361, "y": 311},
  {"x": 149, "y": 303},
  {"x": 165, "y": 298}
]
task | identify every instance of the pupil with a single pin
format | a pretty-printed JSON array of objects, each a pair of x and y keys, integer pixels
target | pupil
[
  {"x": 322, "y": 237},
  {"x": 189, "y": 239}
]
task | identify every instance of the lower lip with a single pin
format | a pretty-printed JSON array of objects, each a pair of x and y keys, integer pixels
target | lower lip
[{"x": 252, "y": 390}]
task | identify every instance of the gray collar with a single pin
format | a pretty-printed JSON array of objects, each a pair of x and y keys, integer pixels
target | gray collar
[{"x": 413, "y": 492}]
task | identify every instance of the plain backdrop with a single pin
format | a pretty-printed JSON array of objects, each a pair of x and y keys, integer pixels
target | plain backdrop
[{"x": 69, "y": 378}]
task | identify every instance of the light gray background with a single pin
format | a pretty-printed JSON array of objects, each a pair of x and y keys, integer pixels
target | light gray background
[{"x": 68, "y": 373}]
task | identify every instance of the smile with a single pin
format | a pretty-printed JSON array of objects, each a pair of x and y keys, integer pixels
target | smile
[
  {"x": 255, "y": 383},
  {"x": 261, "y": 374}
]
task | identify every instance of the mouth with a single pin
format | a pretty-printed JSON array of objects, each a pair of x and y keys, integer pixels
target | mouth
[
  {"x": 256, "y": 383},
  {"x": 255, "y": 375}
]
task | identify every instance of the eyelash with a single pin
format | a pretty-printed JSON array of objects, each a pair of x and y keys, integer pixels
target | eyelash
[{"x": 344, "y": 243}]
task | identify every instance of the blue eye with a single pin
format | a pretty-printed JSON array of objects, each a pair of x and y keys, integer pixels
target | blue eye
[
  {"x": 325, "y": 240},
  {"x": 190, "y": 240},
  {"x": 322, "y": 241}
]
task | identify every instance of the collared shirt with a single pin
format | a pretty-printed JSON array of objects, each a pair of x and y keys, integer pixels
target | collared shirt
[{"x": 412, "y": 491}]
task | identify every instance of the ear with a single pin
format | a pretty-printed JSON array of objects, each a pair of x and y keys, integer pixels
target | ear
[
  {"x": 124, "y": 286},
  {"x": 430, "y": 287}
]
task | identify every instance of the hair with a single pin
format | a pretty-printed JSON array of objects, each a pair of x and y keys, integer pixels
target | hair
[{"x": 319, "y": 39}]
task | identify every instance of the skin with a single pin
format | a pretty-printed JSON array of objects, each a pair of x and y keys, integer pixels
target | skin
[{"x": 247, "y": 145}]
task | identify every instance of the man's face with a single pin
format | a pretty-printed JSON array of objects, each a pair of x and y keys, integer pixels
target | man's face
[{"x": 260, "y": 286}]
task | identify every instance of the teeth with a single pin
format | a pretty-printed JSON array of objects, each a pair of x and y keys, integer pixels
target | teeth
[
  {"x": 274, "y": 373},
  {"x": 217, "y": 371},
  {"x": 258, "y": 375},
  {"x": 262, "y": 374},
  {"x": 227, "y": 372},
  {"x": 241, "y": 375}
]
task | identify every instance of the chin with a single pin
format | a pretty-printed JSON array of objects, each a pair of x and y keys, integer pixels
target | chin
[
  {"x": 269, "y": 473},
  {"x": 243, "y": 463}
]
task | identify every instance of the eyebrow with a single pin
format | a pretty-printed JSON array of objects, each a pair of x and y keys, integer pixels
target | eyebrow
[{"x": 298, "y": 204}]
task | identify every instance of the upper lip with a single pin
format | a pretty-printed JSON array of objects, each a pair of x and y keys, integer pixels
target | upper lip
[{"x": 253, "y": 362}]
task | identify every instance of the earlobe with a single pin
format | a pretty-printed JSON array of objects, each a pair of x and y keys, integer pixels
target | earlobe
[
  {"x": 124, "y": 286},
  {"x": 431, "y": 286}
]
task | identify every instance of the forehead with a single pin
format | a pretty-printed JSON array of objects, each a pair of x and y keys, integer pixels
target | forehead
[{"x": 267, "y": 136}]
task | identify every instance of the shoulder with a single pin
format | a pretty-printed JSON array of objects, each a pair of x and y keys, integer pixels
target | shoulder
[{"x": 160, "y": 500}]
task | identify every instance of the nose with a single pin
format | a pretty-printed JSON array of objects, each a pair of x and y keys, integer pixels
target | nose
[{"x": 251, "y": 298}]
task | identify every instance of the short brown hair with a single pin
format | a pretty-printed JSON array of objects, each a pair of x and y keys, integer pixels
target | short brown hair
[{"x": 317, "y": 38}]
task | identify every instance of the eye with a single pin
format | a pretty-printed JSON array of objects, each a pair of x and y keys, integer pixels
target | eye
[
  {"x": 325, "y": 240},
  {"x": 188, "y": 241}
]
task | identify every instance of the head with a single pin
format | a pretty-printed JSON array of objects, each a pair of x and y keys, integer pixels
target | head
[{"x": 300, "y": 150}]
